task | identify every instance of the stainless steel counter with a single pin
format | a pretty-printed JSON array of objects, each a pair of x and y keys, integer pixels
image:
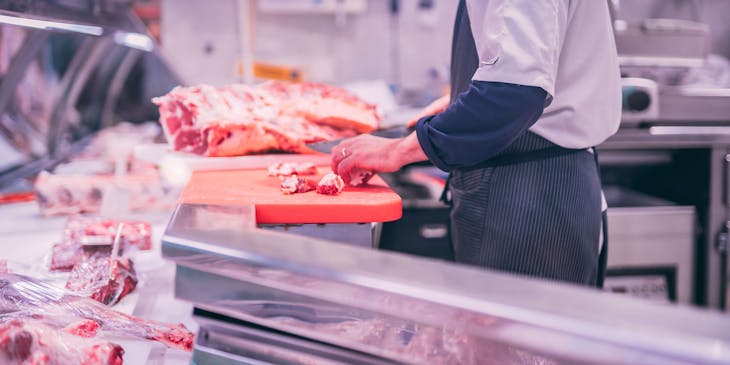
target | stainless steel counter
[{"x": 419, "y": 311}]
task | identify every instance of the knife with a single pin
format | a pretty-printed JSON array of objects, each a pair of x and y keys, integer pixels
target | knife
[{"x": 389, "y": 132}]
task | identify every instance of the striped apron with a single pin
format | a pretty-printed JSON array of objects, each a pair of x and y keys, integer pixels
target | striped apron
[{"x": 534, "y": 209}]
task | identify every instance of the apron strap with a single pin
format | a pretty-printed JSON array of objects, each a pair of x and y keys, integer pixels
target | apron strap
[
  {"x": 523, "y": 157},
  {"x": 511, "y": 159}
]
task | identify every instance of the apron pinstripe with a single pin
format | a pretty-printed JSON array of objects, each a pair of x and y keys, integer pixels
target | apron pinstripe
[
  {"x": 536, "y": 209},
  {"x": 535, "y": 216}
]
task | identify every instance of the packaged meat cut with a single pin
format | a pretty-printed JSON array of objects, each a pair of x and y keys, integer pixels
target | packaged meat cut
[
  {"x": 23, "y": 298},
  {"x": 30, "y": 341},
  {"x": 87, "y": 238},
  {"x": 238, "y": 120},
  {"x": 66, "y": 255},
  {"x": 98, "y": 231},
  {"x": 104, "y": 279}
]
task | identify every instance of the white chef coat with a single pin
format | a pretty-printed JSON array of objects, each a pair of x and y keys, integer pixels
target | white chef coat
[{"x": 565, "y": 47}]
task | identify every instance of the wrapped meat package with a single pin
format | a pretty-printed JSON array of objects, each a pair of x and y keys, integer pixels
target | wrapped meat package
[
  {"x": 106, "y": 280},
  {"x": 87, "y": 238},
  {"x": 101, "y": 231},
  {"x": 31, "y": 341},
  {"x": 66, "y": 255},
  {"x": 28, "y": 302}
]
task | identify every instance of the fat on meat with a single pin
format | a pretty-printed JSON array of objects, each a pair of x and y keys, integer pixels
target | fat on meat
[{"x": 237, "y": 119}]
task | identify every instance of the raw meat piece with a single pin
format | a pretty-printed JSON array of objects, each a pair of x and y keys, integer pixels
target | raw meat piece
[
  {"x": 330, "y": 184},
  {"x": 288, "y": 169},
  {"x": 238, "y": 119},
  {"x": 105, "y": 280},
  {"x": 85, "y": 238},
  {"x": 66, "y": 255},
  {"x": 94, "y": 231},
  {"x": 23, "y": 297},
  {"x": 31, "y": 342},
  {"x": 295, "y": 184},
  {"x": 85, "y": 328}
]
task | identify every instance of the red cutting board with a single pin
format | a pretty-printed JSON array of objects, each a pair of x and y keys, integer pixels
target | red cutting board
[{"x": 375, "y": 202}]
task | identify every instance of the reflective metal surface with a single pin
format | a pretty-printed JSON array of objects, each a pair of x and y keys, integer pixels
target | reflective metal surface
[{"x": 420, "y": 311}]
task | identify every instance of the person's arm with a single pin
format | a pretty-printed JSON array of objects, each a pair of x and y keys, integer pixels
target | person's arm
[{"x": 480, "y": 123}]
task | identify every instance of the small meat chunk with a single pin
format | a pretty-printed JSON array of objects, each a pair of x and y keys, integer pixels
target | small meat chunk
[
  {"x": 330, "y": 184},
  {"x": 297, "y": 185}
]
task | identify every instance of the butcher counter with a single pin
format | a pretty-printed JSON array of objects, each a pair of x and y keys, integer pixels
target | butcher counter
[{"x": 269, "y": 297}]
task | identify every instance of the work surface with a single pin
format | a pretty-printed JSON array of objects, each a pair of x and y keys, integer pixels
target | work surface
[{"x": 374, "y": 202}]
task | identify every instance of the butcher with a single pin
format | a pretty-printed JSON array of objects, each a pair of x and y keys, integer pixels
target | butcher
[{"x": 535, "y": 85}]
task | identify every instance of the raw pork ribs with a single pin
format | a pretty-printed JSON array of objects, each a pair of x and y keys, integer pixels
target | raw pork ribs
[{"x": 237, "y": 119}]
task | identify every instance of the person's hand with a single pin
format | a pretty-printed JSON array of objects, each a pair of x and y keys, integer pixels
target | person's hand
[
  {"x": 374, "y": 154},
  {"x": 364, "y": 153},
  {"x": 437, "y": 106}
]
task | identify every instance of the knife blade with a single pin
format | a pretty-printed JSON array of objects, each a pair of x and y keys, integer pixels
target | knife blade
[{"x": 390, "y": 132}]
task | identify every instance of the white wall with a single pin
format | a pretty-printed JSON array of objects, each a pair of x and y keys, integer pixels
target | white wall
[{"x": 201, "y": 40}]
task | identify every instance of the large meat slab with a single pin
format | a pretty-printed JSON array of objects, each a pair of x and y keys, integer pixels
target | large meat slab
[{"x": 237, "y": 120}]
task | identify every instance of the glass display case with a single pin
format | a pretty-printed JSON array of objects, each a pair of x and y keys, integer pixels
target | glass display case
[
  {"x": 69, "y": 69},
  {"x": 274, "y": 297}
]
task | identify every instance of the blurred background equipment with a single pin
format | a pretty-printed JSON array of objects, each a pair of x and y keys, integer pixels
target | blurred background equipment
[
  {"x": 102, "y": 61},
  {"x": 69, "y": 69}
]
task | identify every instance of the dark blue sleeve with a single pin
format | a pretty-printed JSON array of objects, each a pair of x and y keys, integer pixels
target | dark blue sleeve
[{"x": 482, "y": 121}]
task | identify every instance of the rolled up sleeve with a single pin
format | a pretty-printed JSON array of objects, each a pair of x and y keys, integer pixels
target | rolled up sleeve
[{"x": 479, "y": 124}]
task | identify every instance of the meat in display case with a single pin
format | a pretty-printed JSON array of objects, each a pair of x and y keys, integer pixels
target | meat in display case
[{"x": 272, "y": 297}]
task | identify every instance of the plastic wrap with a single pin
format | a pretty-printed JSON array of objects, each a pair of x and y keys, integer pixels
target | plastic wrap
[
  {"x": 32, "y": 341},
  {"x": 64, "y": 194},
  {"x": 96, "y": 230},
  {"x": 87, "y": 238},
  {"x": 106, "y": 280},
  {"x": 23, "y": 298}
]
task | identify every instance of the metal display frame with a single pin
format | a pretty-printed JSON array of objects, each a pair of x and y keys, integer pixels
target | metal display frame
[
  {"x": 104, "y": 25},
  {"x": 227, "y": 266}
]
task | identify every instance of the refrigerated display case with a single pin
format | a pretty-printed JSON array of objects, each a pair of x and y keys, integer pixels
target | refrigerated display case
[
  {"x": 69, "y": 69},
  {"x": 270, "y": 297}
]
